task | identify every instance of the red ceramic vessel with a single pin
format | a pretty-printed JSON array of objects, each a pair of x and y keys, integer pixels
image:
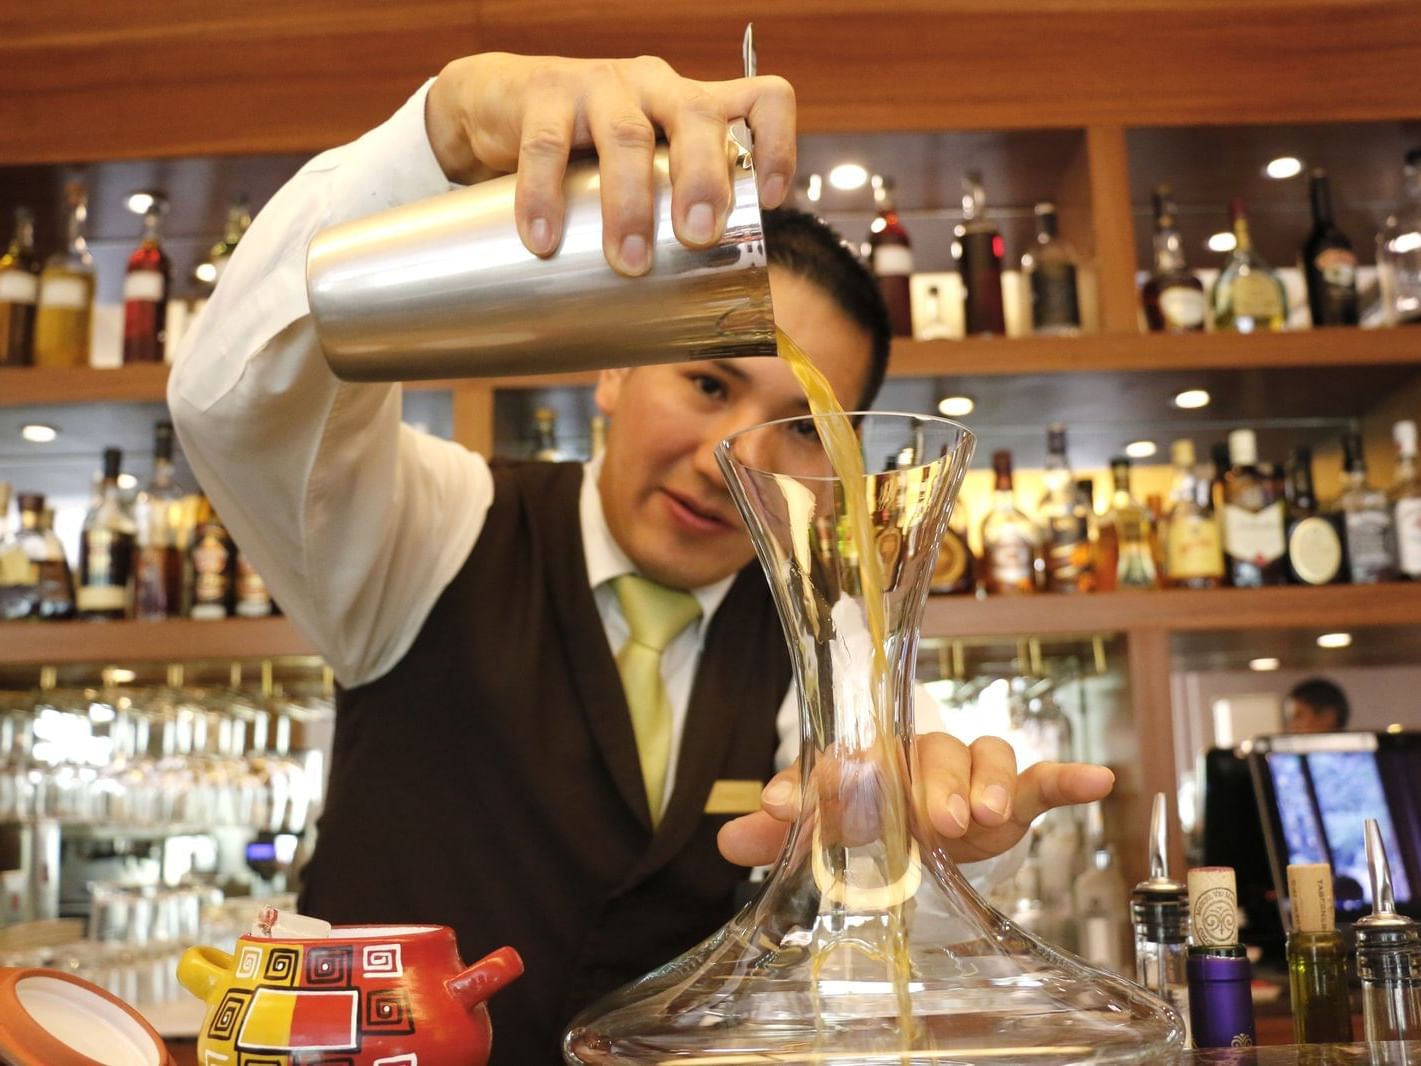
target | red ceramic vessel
[{"x": 49, "y": 1018}]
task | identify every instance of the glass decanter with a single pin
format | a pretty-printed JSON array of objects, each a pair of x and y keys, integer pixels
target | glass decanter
[{"x": 865, "y": 945}]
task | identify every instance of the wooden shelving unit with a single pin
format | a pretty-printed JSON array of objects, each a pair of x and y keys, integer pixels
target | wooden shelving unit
[{"x": 120, "y": 643}]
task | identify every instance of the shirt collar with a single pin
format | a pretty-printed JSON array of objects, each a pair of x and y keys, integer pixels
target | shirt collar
[{"x": 605, "y": 557}]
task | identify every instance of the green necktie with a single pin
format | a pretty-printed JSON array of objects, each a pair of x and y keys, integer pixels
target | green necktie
[{"x": 655, "y": 615}]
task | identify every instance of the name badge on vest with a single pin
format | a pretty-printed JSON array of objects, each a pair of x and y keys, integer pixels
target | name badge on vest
[{"x": 734, "y": 797}]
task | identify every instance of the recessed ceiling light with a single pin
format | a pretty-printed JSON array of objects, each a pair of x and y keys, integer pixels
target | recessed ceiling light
[
  {"x": 1141, "y": 449},
  {"x": 1407, "y": 242},
  {"x": 1285, "y": 166},
  {"x": 127, "y": 481},
  {"x": 1264, "y": 664},
  {"x": 815, "y": 189},
  {"x": 848, "y": 176},
  {"x": 139, "y": 202},
  {"x": 957, "y": 406},
  {"x": 1335, "y": 640},
  {"x": 1190, "y": 399},
  {"x": 208, "y": 272},
  {"x": 37, "y": 433},
  {"x": 120, "y": 676},
  {"x": 1223, "y": 241}
]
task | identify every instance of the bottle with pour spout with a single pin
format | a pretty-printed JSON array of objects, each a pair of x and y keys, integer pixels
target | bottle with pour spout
[
  {"x": 1160, "y": 909},
  {"x": 1388, "y": 955}
]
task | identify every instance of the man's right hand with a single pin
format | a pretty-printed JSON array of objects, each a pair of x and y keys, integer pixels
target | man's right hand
[{"x": 498, "y": 113}]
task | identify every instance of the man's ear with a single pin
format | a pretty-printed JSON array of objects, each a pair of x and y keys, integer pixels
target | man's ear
[{"x": 609, "y": 389}]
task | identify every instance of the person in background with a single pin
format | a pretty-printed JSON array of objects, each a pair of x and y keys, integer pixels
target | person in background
[{"x": 1316, "y": 706}]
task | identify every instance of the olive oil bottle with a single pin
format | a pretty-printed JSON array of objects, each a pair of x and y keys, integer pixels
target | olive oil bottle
[{"x": 1317, "y": 959}]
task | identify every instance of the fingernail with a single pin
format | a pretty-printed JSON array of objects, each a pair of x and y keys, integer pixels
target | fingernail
[
  {"x": 1103, "y": 774},
  {"x": 700, "y": 223},
  {"x": 772, "y": 190},
  {"x": 995, "y": 798},
  {"x": 540, "y": 235},
  {"x": 633, "y": 254},
  {"x": 959, "y": 812},
  {"x": 777, "y": 793}
]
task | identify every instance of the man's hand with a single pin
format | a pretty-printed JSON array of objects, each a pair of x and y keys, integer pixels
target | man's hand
[
  {"x": 975, "y": 799},
  {"x": 499, "y": 113}
]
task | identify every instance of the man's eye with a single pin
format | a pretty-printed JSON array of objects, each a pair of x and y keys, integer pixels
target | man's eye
[{"x": 709, "y": 386}]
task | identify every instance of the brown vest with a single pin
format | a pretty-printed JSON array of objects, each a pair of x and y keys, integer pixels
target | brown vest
[{"x": 490, "y": 781}]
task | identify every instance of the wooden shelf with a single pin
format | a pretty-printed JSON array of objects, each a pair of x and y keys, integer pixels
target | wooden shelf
[{"x": 178, "y": 640}]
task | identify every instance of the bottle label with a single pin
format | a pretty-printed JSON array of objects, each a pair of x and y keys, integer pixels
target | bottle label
[
  {"x": 892, "y": 260},
  {"x": 1067, "y": 551},
  {"x": 1315, "y": 551},
  {"x": 64, "y": 292},
  {"x": 1338, "y": 267},
  {"x": 1369, "y": 546},
  {"x": 1254, "y": 536},
  {"x": 951, "y": 568},
  {"x": 18, "y": 287},
  {"x": 1054, "y": 301},
  {"x": 16, "y": 568},
  {"x": 92, "y": 598},
  {"x": 1011, "y": 562},
  {"x": 1182, "y": 307},
  {"x": 1255, "y": 295},
  {"x": 145, "y": 285},
  {"x": 1408, "y": 535},
  {"x": 210, "y": 579},
  {"x": 1193, "y": 548}
]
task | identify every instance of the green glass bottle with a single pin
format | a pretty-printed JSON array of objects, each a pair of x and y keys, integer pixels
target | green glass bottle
[{"x": 1317, "y": 959}]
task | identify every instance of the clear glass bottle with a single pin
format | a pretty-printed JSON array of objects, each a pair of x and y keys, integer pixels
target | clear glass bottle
[
  {"x": 1371, "y": 539},
  {"x": 1159, "y": 908},
  {"x": 19, "y": 291},
  {"x": 1065, "y": 522},
  {"x": 145, "y": 293},
  {"x": 1125, "y": 553},
  {"x": 239, "y": 218},
  {"x": 1009, "y": 538},
  {"x": 1329, "y": 263},
  {"x": 1388, "y": 956},
  {"x": 1101, "y": 900},
  {"x": 1248, "y": 296},
  {"x": 1050, "y": 269},
  {"x": 1255, "y": 535},
  {"x": 106, "y": 549},
  {"x": 979, "y": 250},
  {"x": 66, "y": 293},
  {"x": 545, "y": 436},
  {"x": 1315, "y": 537},
  {"x": 1173, "y": 297},
  {"x": 1193, "y": 547},
  {"x": 1399, "y": 251},
  {"x": 1406, "y": 500},
  {"x": 157, "y": 514},
  {"x": 891, "y": 257}
]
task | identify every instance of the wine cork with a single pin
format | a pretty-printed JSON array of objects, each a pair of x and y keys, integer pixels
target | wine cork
[
  {"x": 1213, "y": 906},
  {"x": 1310, "y": 889}
]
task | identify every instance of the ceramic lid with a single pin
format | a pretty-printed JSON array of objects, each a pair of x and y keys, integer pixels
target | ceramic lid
[{"x": 49, "y": 1018}]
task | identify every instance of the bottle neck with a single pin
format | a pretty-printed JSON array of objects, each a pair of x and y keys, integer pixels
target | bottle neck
[
  {"x": 1047, "y": 227},
  {"x": 1003, "y": 489},
  {"x": 78, "y": 224},
  {"x": 1321, "y": 203},
  {"x": 1413, "y": 183},
  {"x": 152, "y": 228},
  {"x": 1303, "y": 495},
  {"x": 1242, "y": 241},
  {"x": 1406, "y": 467},
  {"x": 1169, "y": 250},
  {"x": 23, "y": 243},
  {"x": 162, "y": 473},
  {"x": 31, "y": 520},
  {"x": 237, "y": 222}
]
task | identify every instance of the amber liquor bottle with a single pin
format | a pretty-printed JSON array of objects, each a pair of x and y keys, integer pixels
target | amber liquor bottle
[
  {"x": 979, "y": 249},
  {"x": 145, "y": 294},
  {"x": 1009, "y": 538},
  {"x": 891, "y": 257},
  {"x": 1065, "y": 521},
  {"x": 106, "y": 549},
  {"x": 1173, "y": 296},
  {"x": 19, "y": 289}
]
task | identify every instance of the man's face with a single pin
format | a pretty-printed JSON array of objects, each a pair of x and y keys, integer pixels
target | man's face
[
  {"x": 1303, "y": 717},
  {"x": 666, "y": 502}
]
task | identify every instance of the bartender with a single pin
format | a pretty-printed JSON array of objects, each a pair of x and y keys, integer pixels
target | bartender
[{"x": 495, "y": 762}]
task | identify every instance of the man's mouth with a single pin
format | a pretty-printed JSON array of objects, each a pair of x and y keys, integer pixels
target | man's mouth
[{"x": 695, "y": 515}]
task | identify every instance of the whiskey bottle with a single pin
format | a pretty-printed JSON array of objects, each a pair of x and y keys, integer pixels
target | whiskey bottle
[
  {"x": 19, "y": 289},
  {"x": 1101, "y": 901},
  {"x": 145, "y": 294},
  {"x": 1399, "y": 251},
  {"x": 106, "y": 549},
  {"x": 1255, "y": 535},
  {"x": 1050, "y": 268},
  {"x": 1065, "y": 523},
  {"x": 66, "y": 293},
  {"x": 979, "y": 251},
  {"x": 239, "y": 218},
  {"x": 1193, "y": 548},
  {"x": 891, "y": 257},
  {"x": 1009, "y": 539},
  {"x": 1371, "y": 540},
  {"x": 1406, "y": 500},
  {"x": 1248, "y": 297},
  {"x": 35, "y": 580},
  {"x": 1125, "y": 555},
  {"x": 1329, "y": 263},
  {"x": 157, "y": 513},
  {"x": 1173, "y": 296},
  {"x": 212, "y": 562},
  {"x": 955, "y": 572},
  {"x": 1315, "y": 538}
]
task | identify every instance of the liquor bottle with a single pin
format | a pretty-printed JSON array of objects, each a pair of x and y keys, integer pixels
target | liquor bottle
[
  {"x": 1388, "y": 955},
  {"x": 1173, "y": 296},
  {"x": 1315, "y": 538},
  {"x": 35, "y": 580},
  {"x": 1220, "y": 1002},
  {"x": 1100, "y": 897},
  {"x": 106, "y": 549},
  {"x": 1050, "y": 268},
  {"x": 145, "y": 294},
  {"x": 66, "y": 293},
  {"x": 1065, "y": 523},
  {"x": 1125, "y": 557},
  {"x": 891, "y": 257},
  {"x": 1399, "y": 252},
  {"x": 252, "y": 598},
  {"x": 1009, "y": 542},
  {"x": 212, "y": 563},
  {"x": 1406, "y": 500},
  {"x": 545, "y": 436},
  {"x": 157, "y": 513},
  {"x": 19, "y": 289},
  {"x": 1371, "y": 540},
  {"x": 1255, "y": 534},
  {"x": 1317, "y": 959},
  {"x": 979, "y": 249},
  {"x": 955, "y": 572},
  {"x": 1248, "y": 297},
  {"x": 1193, "y": 548},
  {"x": 1329, "y": 263},
  {"x": 239, "y": 218},
  {"x": 1160, "y": 909}
]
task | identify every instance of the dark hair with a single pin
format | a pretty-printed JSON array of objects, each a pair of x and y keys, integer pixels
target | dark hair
[
  {"x": 1323, "y": 695},
  {"x": 809, "y": 247}
]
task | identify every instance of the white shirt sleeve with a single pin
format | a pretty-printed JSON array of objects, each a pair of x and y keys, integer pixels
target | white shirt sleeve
[{"x": 356, "y": 521}]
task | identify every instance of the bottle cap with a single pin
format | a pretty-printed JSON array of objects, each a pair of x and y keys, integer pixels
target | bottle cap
[
  {"x": 1213, "y": 906},
  {"x": 31, "y": 501},
  {"x": 1243, "y": 447},
  {"x": 1353, "y": 457},
  {"x": 1181, "y": 453},
  {"x": 163, "y": 440},
  {"x": 1404, "y": 434},
  {"x": 1001, "y": 462},
  {"x": 1056, "y": 439},
  {"x": 113, "y": 463},
  {"x": 1310, "y": 889}
]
